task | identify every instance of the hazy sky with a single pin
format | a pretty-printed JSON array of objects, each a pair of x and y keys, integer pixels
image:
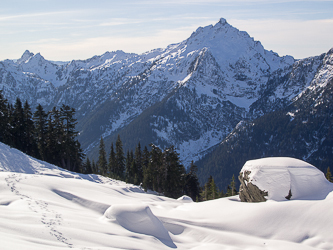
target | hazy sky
[{"x": 71, "y": 29}]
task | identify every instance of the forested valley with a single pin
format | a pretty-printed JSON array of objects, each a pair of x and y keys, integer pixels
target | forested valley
[{"x": 51, "y": 137}]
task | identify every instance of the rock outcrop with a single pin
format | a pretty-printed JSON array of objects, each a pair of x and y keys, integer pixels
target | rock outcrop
[{"x": 249, "y": 192}]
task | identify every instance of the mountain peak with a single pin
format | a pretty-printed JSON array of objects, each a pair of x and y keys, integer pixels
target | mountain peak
[
  {"x": 222, "y": 21},
  {"x": 25, "y": 57}
]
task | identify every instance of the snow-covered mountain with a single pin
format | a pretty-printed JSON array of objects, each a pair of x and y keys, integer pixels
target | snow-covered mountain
[
  {"x": 46, "y": 207},
  {"x": 295, "y": 119},
  {"x": 190, "y": 94}
]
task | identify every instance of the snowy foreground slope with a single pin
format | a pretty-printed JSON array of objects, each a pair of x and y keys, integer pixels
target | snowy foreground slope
[{"x": 45, "y": 207}]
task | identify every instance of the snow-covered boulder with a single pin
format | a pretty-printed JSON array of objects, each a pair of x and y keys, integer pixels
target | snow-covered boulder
[
  {"x": 281, "y": 178},
  {"x": 185, "y": 198}
]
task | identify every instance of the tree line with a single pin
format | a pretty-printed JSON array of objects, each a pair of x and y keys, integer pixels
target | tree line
[
  {"x": 48, "y": 136},
  {"x": 155, "y": 169}
]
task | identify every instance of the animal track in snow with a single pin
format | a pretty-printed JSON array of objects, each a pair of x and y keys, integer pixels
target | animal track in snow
[{"x": 50, "y": 218}]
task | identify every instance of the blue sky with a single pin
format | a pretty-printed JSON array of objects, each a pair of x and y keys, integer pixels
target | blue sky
[{"x": 71, "y": 29}]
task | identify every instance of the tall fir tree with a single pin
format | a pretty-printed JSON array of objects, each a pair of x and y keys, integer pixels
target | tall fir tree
[
  {"x": 102, "y": 162},
  {"x": 87, "y": 167},
  {"x": 192, "y": 186},
  {"x": 120, "y": 159},
  {"x": 152, "y": 176},
  {"x": 4, "y": 120},
  {"x": 172, "y": 174},
  {"x": 18, "y": 127},
  {"x": 138, "y": 165},
  {"x": 130, "y": 167},
  {"x": 72, "y": 153},
  {"x": 112, "y": 166},
  {"x": 30, "y": 146},
  {"x": 40, "y": 120}
]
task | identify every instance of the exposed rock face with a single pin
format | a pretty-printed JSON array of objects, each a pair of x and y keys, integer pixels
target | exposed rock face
[{"x": 249, "y": 192}]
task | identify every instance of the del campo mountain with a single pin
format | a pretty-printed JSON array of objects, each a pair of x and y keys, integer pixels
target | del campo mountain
[{"x": 191, "y": 94}]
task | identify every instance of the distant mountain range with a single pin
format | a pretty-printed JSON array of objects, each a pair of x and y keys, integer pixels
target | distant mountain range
[{"x": 191, "y": 94}]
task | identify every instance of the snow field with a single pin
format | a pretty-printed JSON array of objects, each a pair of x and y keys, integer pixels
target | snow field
[{"x": 50, "y": 208}]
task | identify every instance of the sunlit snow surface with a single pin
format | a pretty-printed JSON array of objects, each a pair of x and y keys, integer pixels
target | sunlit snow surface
[{"x": 44, "y": 207}]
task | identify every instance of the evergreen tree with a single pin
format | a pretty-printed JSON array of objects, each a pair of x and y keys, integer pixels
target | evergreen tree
[
  {"x": 192, "y": 186},
  {"x": 210, "y": 191},
  {"x": 40, "y": 120},
  {"x": 112, "y": 162},
  {"x": 153, "y": 176},
  {"x": 138, "y": 165},
  {"x": 87, "y": 168},
  {"x": 102, "y": 162},
  {"x": 55, "y": 137},
  {"x": 18, "y": 127},
  {"x": 213, "y": 190},
  {"x": 72, "y": 154},
  {"x": 30, "y": 146},
  {"x": 4, "y": 119},
  {"x": 145, "y": 163},
  {"x": 120, "y": 159},
  {"x": 94, "y": 167},
  {"x": 172, "y": 173},
  {"x": 233, "y": 186},
  {"x": 329, "y": 175},
  {"x": 130, "y": 167}
]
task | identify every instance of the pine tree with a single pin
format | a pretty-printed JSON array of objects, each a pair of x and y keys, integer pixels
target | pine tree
[
  {"x": 153, "y": 174},
  {"x": 145, "y": 171},
  {"x": 18, "y": 127},
  {"x": 128, "y": 173},
  {"x": 329, "y": 175},
  {"x": 120, "y": 159},
  {"x": 172, "y": 174},
  {"x": 138, "y": 165},
  {"x": 192, "y": 186},
  {"x": 214, "y": 190},
  {"x": 112, "y": 166},
  {"x": 94, "y": 167},
  {"x": 233, "y": 186},
  {"x": 55, "y": 143},
  {"x": 4, "y": 120},
  {"x": 72, "y": 154},
  {"x": 87, "y": 168},
  {"x": 30, "y": 146},
  {"x": 102, "y": 162},
  {"x": 40, "y": 120}
]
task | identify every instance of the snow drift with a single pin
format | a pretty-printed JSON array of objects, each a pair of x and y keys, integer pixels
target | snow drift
[
  {"x": 45, "y": 207},
  {"x": 284, "y": 178}
]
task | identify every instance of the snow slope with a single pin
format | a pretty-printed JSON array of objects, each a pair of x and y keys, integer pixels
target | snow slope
[{"x": 45, "y": 207}]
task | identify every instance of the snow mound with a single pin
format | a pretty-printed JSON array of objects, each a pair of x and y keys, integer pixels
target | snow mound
[
  {"x": 280, "y": 175},
  {"x": 185, "y": 198},
  {"x": 139, "y": 219}
]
